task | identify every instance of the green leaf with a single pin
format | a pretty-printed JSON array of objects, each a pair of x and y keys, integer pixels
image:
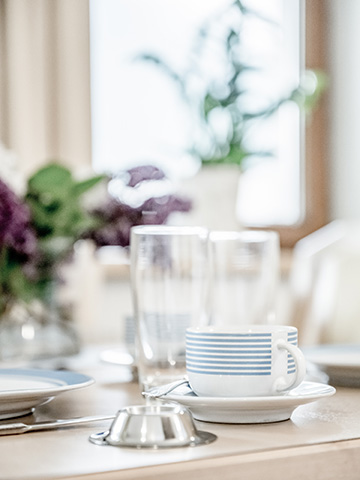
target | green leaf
[
  {"x": 19, "y": 285},
  {"x": 148, "y": 57},
  {"x": 82, "y": 187},
  {"x": 50, "y": 177},
  {"x": 210, "y": 103},
  {"x": 310, "y": 90},
  {"x": 41, "y": 218},
  {"x": 236, "y": 154},
  {"x": 54, "y": 201},
  {"x": 240, "y": 6},
  {"x": 232, "y": 39}
]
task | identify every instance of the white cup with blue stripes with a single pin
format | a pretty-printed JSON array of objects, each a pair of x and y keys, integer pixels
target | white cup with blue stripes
[{"x": 243, "y": 361}]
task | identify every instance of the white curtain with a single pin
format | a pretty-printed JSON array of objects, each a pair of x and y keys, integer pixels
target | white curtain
[{"x": 45, "y": 81}]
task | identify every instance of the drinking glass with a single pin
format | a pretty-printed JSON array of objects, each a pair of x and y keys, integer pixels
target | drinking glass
[
  {"x": 169, "y": 278},
  {"x": 244, "y": 277}
]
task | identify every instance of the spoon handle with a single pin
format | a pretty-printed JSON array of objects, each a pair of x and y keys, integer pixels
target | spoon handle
[
  {"x": 17, "y": 428},
  {"x": 161, "y": 390},
  {"x": 13, "y": 428}
]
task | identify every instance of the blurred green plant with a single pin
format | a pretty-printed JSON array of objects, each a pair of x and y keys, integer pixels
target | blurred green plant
[
  {"x": 226, "y": 97},
  {"x": 55, "y": 202},
  {"x": 39, "y": 230},
  {"x": 59, "y": 219}
]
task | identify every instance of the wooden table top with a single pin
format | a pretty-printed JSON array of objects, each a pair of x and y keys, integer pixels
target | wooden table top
[{"x": 321, "y": 440}]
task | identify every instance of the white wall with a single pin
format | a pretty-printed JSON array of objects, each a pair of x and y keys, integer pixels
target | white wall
[{"x": 344, "y": 95}]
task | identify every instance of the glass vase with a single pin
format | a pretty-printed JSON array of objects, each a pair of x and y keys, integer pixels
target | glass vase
[{"x": 35, "y": 331}]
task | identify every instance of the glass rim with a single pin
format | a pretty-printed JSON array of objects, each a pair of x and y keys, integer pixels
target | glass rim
[
  {"x": 170, "y": 230},
  {"x": 243, "y": 235}
]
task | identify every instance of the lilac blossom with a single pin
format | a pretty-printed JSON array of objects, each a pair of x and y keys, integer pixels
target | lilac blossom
[
  {"x": 16, "y": 233},
  {"x": 117, "y": 217},
  {"x": 117, "y": 220},
  {"x": 137, "y": 175},
  {"x": 155, "y": 211}
]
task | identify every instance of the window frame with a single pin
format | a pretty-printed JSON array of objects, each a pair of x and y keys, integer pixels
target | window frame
[{"x": 315, "y": 171}]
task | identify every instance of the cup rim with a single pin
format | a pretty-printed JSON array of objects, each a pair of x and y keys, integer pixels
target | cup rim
[{"x": 223, "y": 331}]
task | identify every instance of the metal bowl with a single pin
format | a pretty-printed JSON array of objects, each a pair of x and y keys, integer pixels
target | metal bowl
[{"x": 153, "y": 426}]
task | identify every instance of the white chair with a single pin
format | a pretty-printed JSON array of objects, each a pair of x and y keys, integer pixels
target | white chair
[{"x": 325, "y": 285}]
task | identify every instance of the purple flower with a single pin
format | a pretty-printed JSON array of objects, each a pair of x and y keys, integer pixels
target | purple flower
[
  {"x": 15, "y": 231},
  {"x": 143, "y": 172},
  {"x": 155, "y": 211},
  {"x": 118, "y": 218}
]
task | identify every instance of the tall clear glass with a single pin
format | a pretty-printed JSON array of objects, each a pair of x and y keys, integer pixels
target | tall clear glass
[
  {"x": 245, "y": 269},
  {"x": 169, "y": 278}
]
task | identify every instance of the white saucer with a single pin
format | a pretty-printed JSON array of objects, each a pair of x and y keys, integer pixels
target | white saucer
[
  {"x": 249, "y": 409},
  {"x": 340, "y": 362},
  {"x": 22, "y": 390}
]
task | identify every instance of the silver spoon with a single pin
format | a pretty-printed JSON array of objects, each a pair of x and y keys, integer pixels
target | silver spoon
[
  {"x": 16, "y": 428},
  {"x": 156, "y": 392}
]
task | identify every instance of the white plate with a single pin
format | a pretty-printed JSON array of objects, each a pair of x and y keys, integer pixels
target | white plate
[
  {"x": 249, "y": 409},
  {"x": 22, "y": 390},
  {"x": 117, "y": 357},
  {"x": 340, "y": 362}
]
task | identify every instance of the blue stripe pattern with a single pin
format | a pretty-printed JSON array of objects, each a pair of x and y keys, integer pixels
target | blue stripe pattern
[
  {"x": 208, "y": 341},
  {"x": 222, "y": 335},
  {"x": 228, "y": 372},
  {"x": 248, "y": 368},
  {"x": 229, "y": 354},
  {"x": 227, "y": 362},
  {"x": 228, "y": 350},
  {"x": 233, "y": 353},
  {"x": 291, "y": 367},
  {"x": 240, "y": 361},
  {"x": 202, "y": 357}
]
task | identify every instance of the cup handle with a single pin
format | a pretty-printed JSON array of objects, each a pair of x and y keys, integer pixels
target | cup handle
[{"x": 281, "y": 385}]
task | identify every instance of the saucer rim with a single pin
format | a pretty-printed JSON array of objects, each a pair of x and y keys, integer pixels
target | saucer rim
[
  {"x": 249, "y": 410},
  {"x": 290, "y": 397}
]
